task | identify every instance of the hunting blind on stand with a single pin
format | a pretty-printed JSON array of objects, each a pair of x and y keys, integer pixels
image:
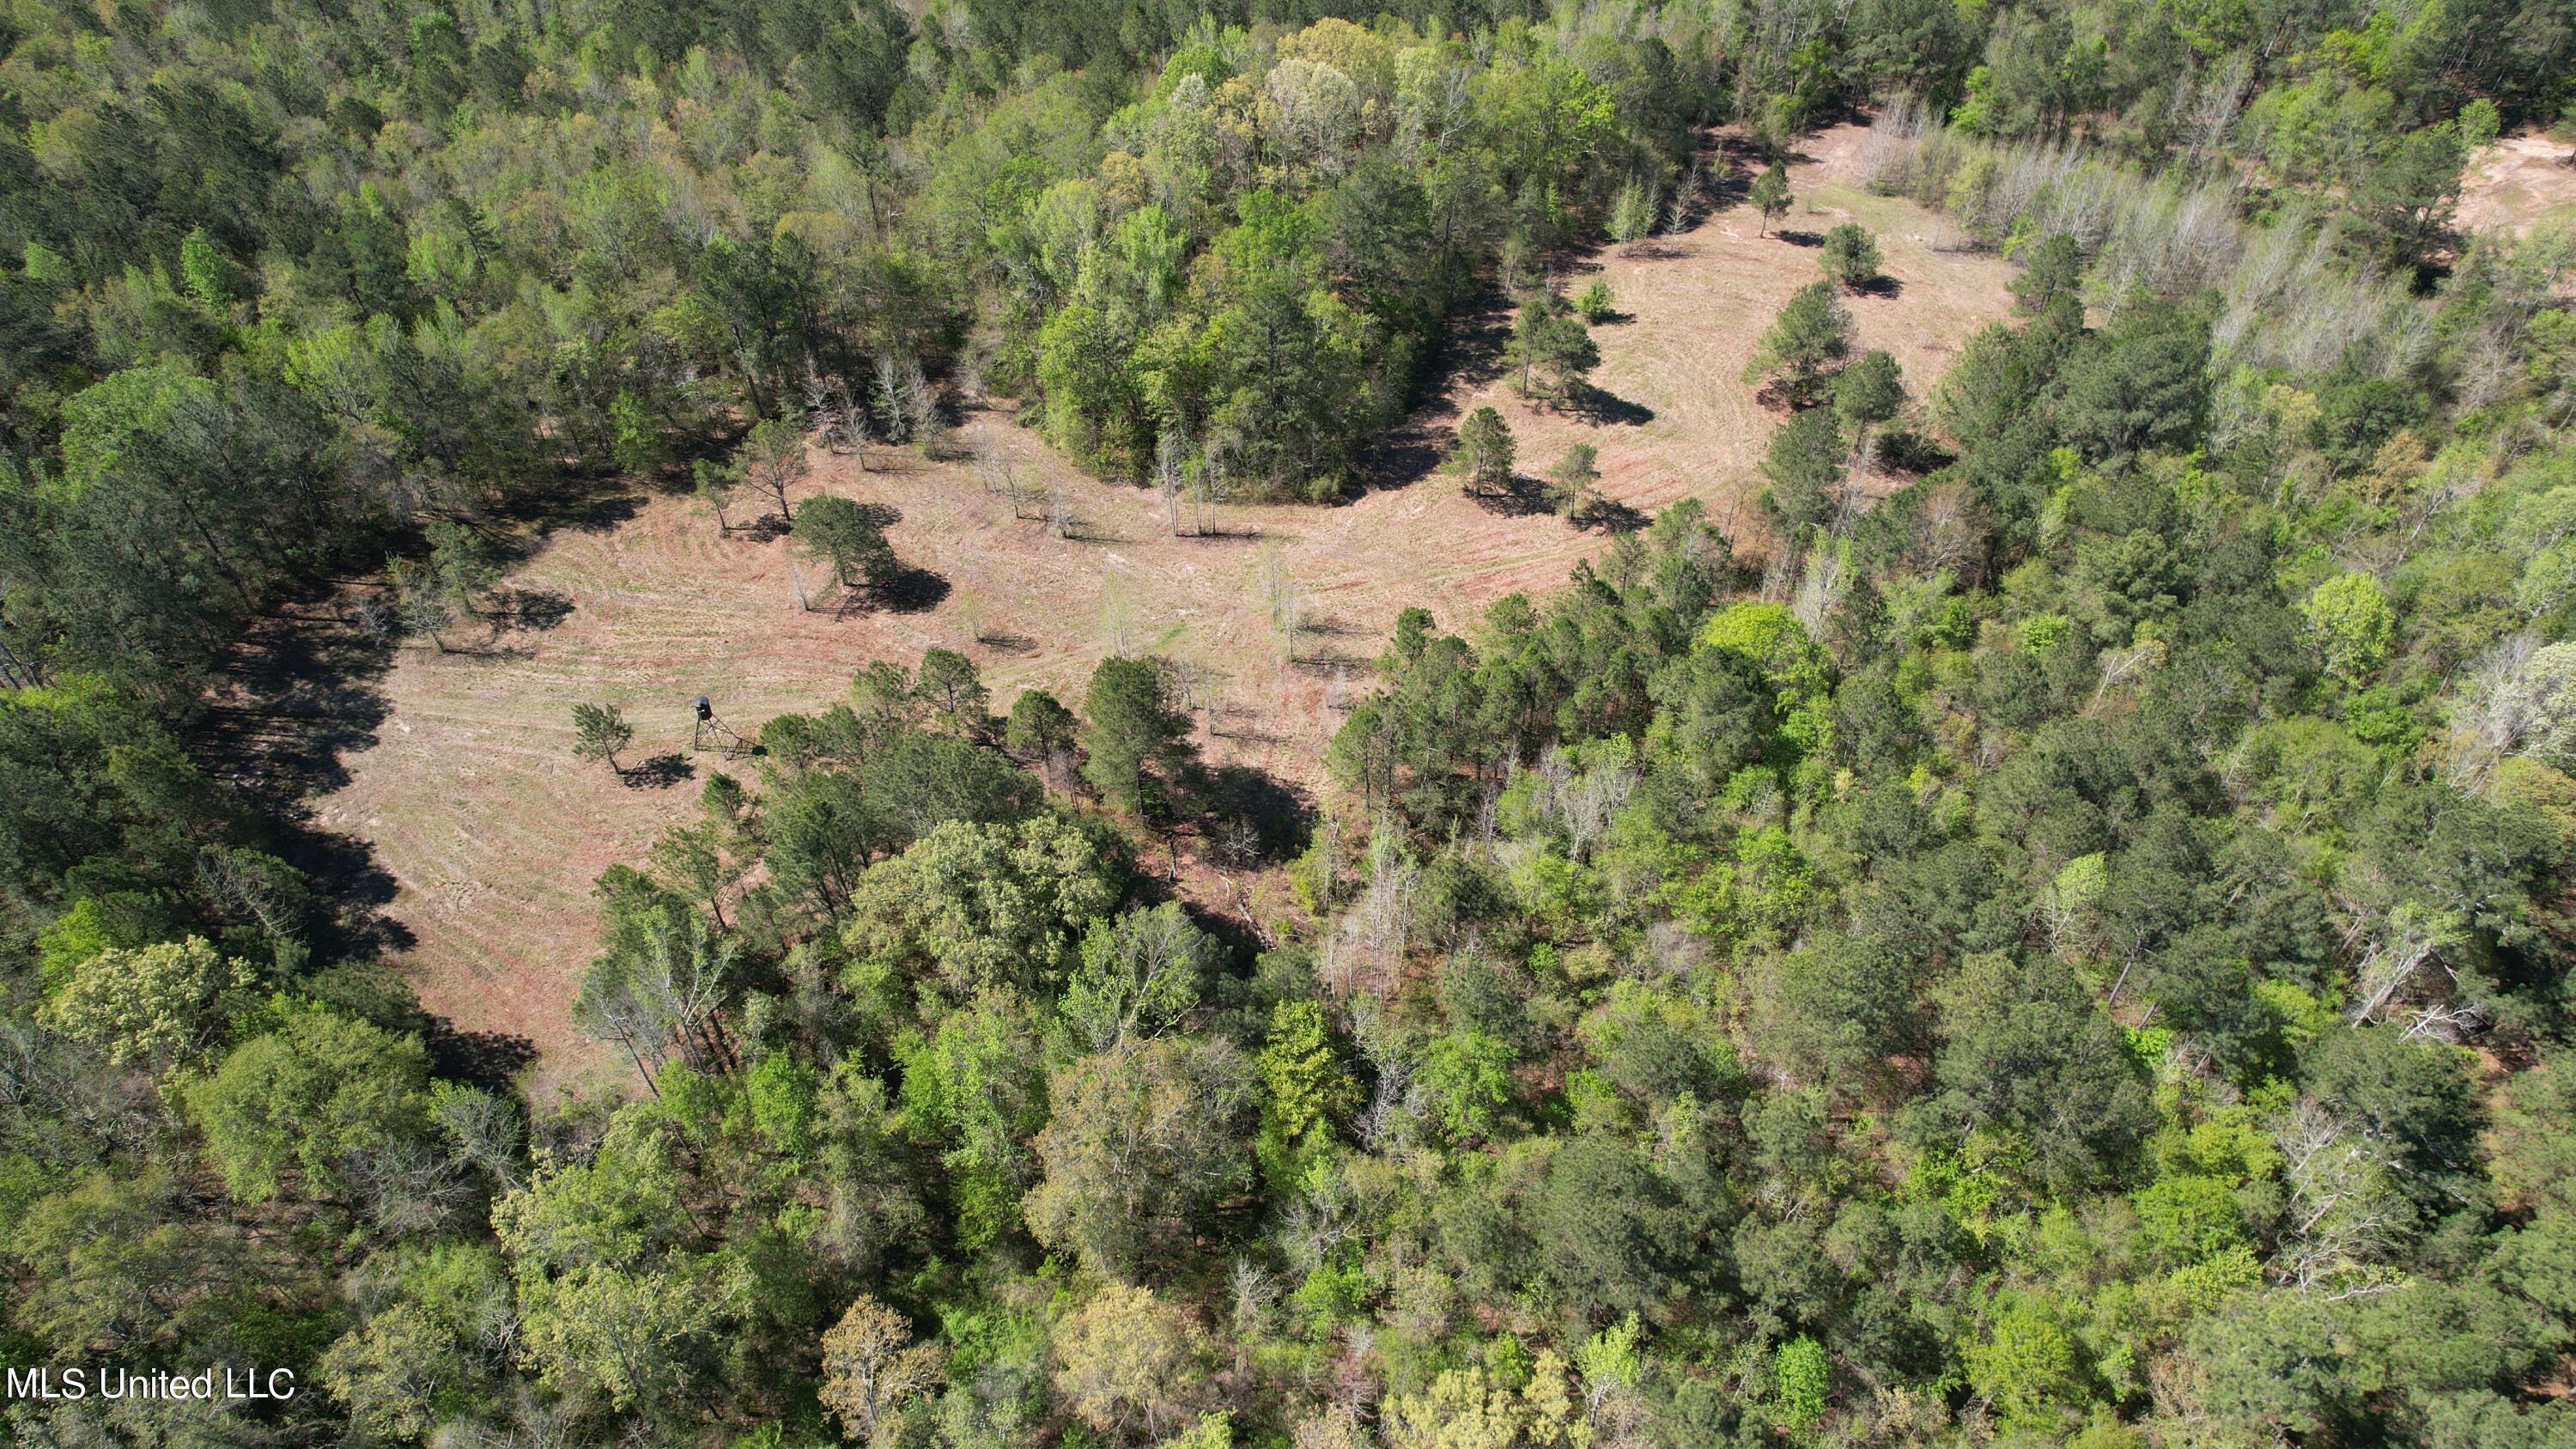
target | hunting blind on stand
[{"x": 712, "y": 733}]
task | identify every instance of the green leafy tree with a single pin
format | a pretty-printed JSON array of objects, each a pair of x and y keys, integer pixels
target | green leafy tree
[
  {"x": 1574, "y": 476},
  {"x": 949, "y": 683},
  {"x": 613, "y": 1301},
  {"x": 2028, "y": 1369},
  {"x": 1801, "y": 1374},
  {"x": 1137, "y": 978},
  {"x": 163, "y": 1005},
  {"x": 976, "y": 1088},
  {"x": 1128, "y": 1362},
  {"x": 1804, "y": 464},
  {"x": 1040, "y": 728},
  {"x": 1632, "y": 213},
  {"x": 323, "y": 1099},
  {"x": 423, "y": 605},
  {"x": 463, "y": 561},
  {"x": 635, "y": 442},
  {"x": 1141, "y": 1144},
  {"x": 1469, "y": 1076},
  {"x": 210, "y": 277},
  {"x": 872, "y": 1369},
  {"x": 772, "y": 462},
  {"x": 1608, "y": 1228},
  {"x": 2030, "y": 1052},
  {"x": 394, "y": 1372},
  {"x": 982, "y": 904},
  {"x": 123, "y": 1263},
  {"x": 1550, "y": 344},
  {"x": 714, "y": 486},
  {"x": 1868, "y": 393},
  {"x": 2053, "y": 265},
  {"x": 2352, "y": 622},
  {"x": 1306, "y": 1087}
]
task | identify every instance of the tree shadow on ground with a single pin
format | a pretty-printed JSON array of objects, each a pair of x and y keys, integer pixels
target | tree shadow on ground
[
  {"x": 301, "y": 689},
  {"x": 580, "y": 503},
  {"x": 1604, "y": 408},
  {"x": 909, "y": 591},
  {"x": 1469, "y": 355},
  {"x": 1322, "y": 663},
  {"x": 1797, "y": 238},
  {"x": 299, "y": 692},
  {"x": 1904, "y": 451},
  {"x": 1006, "y": 641},
  {"x": 658, "y": 773},
  {"x": 1523, "y": 498},
  {"x": 1608, "y": 515},
  {"x": 913, "y": 591},
  {"x": 528, "y": 610},
  {"x": 485, "y": 1059},
  {"x": 1278, "y": 816}
]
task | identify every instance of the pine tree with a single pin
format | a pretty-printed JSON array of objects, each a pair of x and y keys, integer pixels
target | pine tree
[
  {"x": 1770, "y": 196},
  {"x": 1810, "y": 337},
  {"x": 1484, "y": 453},
  {"x": 599, "y": 731},
  {"x": 1850, "y": 256}
]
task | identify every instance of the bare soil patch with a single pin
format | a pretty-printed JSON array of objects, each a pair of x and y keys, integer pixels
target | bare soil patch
[
  {"x": 2516, "y": 183},
  {"x": 491, "y": 833}
]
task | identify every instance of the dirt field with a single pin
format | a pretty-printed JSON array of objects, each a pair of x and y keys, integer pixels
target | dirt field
[
  {"x": 492, "y": 833},
  {"x": 2516, "y": 183}
]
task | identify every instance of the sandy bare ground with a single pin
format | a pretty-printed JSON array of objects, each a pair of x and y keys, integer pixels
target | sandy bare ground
[
  {"x": 2516, "y": 183},
  {"x": 492, "y": 834}
]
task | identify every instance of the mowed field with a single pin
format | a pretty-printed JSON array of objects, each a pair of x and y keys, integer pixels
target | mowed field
[{"x": 471, "y": 801}]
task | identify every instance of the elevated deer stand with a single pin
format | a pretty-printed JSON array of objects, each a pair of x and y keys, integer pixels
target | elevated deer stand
[{"x": 712, "y": 733}]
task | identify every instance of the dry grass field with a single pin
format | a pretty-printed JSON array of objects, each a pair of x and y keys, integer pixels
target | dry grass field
[{"x": 467, "y": 793}]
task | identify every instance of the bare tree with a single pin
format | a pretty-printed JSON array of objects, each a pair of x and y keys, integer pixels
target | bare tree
[
  {"x": 921, "y": 410},
  {"x": 893, "y": 398},
  {"x": 2206, "y": 109},
  {"x": 2489, "y": 715},
  {"x": 851, "y": 422},
  {"x": 1207, "y": 494},
  {"x": 2344, "y": 1210},
  {"x": 2402, "y": 943},
  {"x": 1686, "y": 199},
  {"x": 818, "y": 401},
  {"x": 1169, "y": 459}
]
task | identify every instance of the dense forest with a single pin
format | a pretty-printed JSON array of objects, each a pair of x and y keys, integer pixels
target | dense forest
[{"x": 2075, "y": 952}]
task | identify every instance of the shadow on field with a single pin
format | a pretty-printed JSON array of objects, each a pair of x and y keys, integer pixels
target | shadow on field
[{"x": 658, "y": 773}]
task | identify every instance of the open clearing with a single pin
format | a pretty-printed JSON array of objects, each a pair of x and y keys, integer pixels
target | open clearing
[
  {"x": 492, "y": 833},
  {"x": 2516, "y": 183}
]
